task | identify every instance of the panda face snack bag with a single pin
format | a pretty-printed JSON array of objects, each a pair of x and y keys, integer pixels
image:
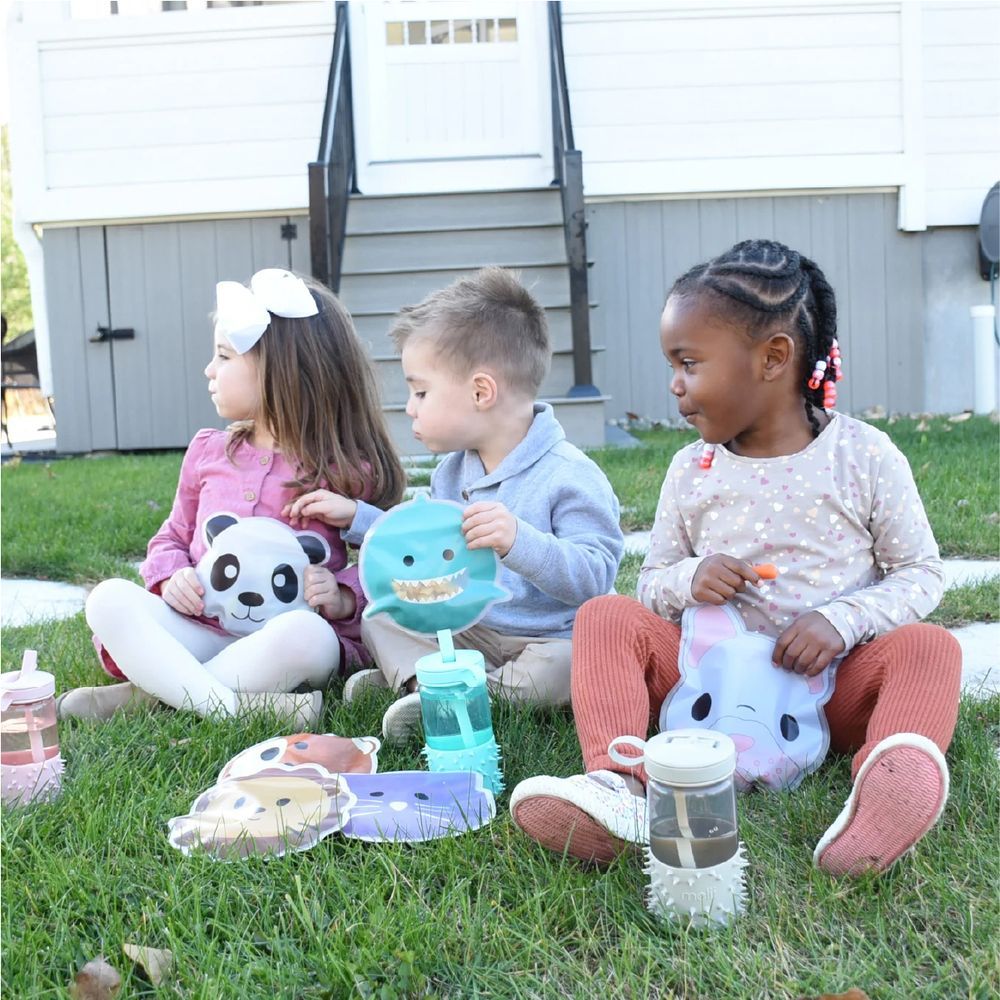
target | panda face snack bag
[{"x": 253, "y": 569}]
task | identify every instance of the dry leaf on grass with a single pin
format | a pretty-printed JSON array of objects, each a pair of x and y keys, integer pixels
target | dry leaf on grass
[
  {"x": 157, "y": 963},
  {"x": 96, "y": 981}
]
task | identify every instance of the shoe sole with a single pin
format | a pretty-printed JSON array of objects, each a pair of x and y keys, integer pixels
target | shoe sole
[
  {"x": 564, "y": 828},
  {"x": 365, "y": 680},
  {"x": 899, "y": 794},
  {"x": 402, "y": 721}
]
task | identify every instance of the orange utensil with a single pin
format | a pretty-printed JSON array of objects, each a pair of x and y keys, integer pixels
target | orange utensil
[{"x": 766, "y": 571}]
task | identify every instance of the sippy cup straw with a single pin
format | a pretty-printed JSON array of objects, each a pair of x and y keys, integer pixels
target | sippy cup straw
[
  {"x": 685, "y": 848},
  {"x": 30, "y": 765},
  {"x": 29, "y": 664},
  {"x": 446, "y": 643}
]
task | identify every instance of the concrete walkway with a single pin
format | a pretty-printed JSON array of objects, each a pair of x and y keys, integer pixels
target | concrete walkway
[{"x": 25, "y": 602}]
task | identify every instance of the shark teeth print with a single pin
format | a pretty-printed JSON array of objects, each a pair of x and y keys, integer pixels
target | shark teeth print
[{"x": 431, "y": 591}]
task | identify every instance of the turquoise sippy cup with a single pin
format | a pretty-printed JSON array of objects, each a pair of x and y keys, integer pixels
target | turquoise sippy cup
[{"x": 455, "y": 706}]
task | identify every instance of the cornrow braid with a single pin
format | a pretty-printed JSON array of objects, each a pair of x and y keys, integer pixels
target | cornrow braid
[{"x": 759, "y": 283}]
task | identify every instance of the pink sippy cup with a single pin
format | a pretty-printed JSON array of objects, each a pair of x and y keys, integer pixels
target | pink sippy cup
[{"x": 30, "y": 765}]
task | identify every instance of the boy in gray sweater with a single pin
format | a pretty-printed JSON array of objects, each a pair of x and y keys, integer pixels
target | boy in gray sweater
[{"x": 474, "y": 355}]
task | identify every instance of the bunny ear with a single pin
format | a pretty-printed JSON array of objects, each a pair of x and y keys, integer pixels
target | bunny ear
[
  {"x": 709, "y": 626},
  {"x": 817, "y": 682}
]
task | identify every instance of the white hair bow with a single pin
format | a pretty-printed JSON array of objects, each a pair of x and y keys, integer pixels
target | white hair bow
[{"x": 243, "y": 314}]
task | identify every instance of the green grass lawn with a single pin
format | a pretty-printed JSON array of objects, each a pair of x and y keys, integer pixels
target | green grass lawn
[{"x": 488, "y": 914}]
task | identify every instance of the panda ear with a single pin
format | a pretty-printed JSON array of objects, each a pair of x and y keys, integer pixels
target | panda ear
[
  {"x": 217, "y": 524},
  {"x": 315, "y": 547}
]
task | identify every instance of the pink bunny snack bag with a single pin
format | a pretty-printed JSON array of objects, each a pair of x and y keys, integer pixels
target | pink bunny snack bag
[{"x": 730, "y": 684}]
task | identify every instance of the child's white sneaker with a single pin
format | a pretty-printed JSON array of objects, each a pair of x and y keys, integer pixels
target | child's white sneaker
[
  {"x": 363, "y": 680},
  {"x": 402, "y": 719},
  {"x": 101, "y": 702},
  {"x": 593, "y": 817},
  {"x": 898, "y": 795}
]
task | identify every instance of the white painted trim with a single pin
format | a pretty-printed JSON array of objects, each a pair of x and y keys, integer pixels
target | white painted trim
[
  {"x": 913, "y": 192},
  {"x": 613, "y": 199},
  {"x": 584, "y": 13},
  {"x": 156, "y": 220},
  {"x": 27, "y": 140},
  {"x": 127, "y": 203},
  {"x": 746, "y": 174},
  {"x": 29, "y": 37},
  {"x": 34, "y": 258}
]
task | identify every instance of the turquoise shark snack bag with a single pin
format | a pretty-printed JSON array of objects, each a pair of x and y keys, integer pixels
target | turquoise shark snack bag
[{"x": 416, "y": 568}]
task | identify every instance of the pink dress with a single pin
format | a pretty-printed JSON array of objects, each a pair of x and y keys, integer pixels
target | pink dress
[{"x": 253, "y": 484}]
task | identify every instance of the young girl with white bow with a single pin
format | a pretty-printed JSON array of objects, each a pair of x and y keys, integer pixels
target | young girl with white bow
[{"x": 290, "y": 373}]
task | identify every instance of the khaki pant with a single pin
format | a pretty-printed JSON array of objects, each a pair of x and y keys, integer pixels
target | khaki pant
[{"x": 521, "y": 668}]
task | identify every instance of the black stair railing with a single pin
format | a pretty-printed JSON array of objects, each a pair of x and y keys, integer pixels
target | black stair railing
[
  {"x": 569, "y": 176},
  {"x": 332, "y": 178}
]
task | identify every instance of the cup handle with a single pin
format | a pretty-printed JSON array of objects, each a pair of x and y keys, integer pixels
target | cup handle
[{"x": 631, "y": 741}]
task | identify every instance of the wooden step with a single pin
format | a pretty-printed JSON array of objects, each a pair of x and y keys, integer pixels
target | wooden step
[
  {"x": 467, "y": 249},
  {"x": 388, "y": 292},
  {"x": 393, "y": 386},
  {"x": 582, "y": 419},
  {"x": 466, "y": 210},
  {"x": 373, "y": 329}
]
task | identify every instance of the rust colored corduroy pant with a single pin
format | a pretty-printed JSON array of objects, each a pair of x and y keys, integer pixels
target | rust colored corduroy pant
[{"x": 625, "y": 662}]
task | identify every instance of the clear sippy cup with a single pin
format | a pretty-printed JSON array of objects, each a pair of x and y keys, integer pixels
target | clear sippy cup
[
  {"x": 30, "y": 765},
  {"x": 694, "y": 858},
  {"x": 455, "y": 706}
]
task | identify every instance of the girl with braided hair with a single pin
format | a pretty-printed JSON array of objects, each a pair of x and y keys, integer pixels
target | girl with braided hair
[{"x": 778, "y": 477}]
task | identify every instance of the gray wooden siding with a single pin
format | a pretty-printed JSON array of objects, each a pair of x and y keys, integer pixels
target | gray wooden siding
[
  {"x": 896, "y": 292},
  {"x": 158, "y": 279},
  {"x": 640, "y": 247}
]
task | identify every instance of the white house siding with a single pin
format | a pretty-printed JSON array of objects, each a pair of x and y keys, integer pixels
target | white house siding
[
  {"x": 182, "y": 113},
  {"x": 684, "y": 98},
  {"x": 961, "y": 98},
  {"x": 218, "y": 111}
]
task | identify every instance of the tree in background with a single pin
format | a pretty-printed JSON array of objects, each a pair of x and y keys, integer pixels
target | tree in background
[{"x": 13, "y": 271}]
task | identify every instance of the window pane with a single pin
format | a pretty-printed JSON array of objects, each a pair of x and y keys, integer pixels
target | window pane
[
  {"x": 417, "y": 32},
  {"x": 463, "y": 32},
  {"x": 508, "y": 29},
  {"x": 394, "y": 33},
  {"x": 439, "y": 33}
]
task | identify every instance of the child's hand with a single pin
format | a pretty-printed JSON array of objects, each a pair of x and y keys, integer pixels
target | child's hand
[
  {"x": 719, "y": 577},
  {"x": 322, "y": 505},
  {"x": 184, "y": 593},
  {"x": 323, "y": 592},
  {"x": 489, "y": 526},
  {"x": 808, "y": 645}
]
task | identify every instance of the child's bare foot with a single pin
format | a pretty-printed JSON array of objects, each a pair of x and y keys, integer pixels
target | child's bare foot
[{"x": 898, "y": 795}]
